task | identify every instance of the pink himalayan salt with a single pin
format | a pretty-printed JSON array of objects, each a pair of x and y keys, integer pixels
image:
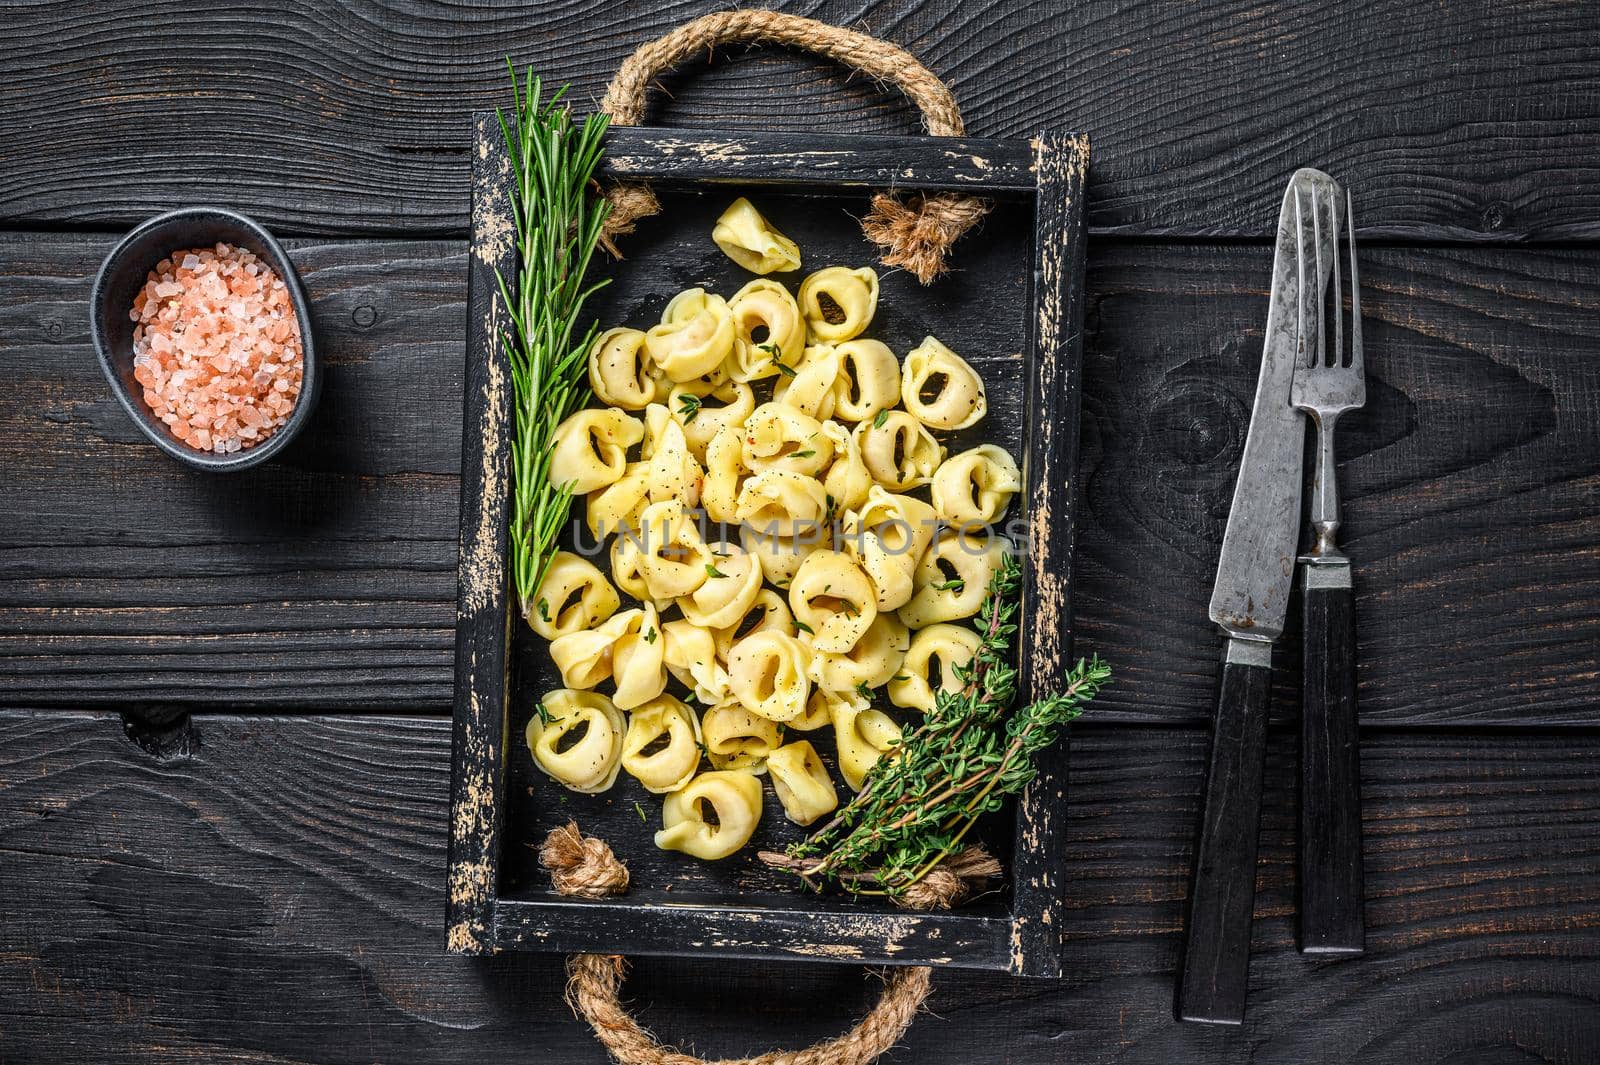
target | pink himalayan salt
[{"x": 217, "y": 348}]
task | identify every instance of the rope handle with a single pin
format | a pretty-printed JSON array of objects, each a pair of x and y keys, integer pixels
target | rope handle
[
  {"x": 915, "y": 233},
  {"x": 585, "y": 866}
]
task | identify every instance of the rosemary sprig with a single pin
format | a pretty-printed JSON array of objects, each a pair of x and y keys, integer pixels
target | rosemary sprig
[
  {"x": 556, "y": 215},
  {"x": 917, "y": 807}
]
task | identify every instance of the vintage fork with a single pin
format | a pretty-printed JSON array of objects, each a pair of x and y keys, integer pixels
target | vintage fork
[{"x": 1327, "y": 383}]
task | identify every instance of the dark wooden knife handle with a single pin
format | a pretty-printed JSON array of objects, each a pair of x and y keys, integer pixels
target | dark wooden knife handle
[
  {"x": 1330, "y": 770},
  {"x": 1214, "y": 974}
]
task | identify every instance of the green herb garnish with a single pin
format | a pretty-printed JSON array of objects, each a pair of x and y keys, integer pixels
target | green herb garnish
[
  {"x": 808, "y": 453},
  {"x": 879, "y": 418},
  {"x": 803, "y": 627},
  {"x": 643, "y": 817},
  {"x": 556, "y": 214},
  {"x": 954, "y": 584},
  {"x": 713, "y": 571},
  {"x": 916, "y": 808},
  {"x": 688, "y": 406}
]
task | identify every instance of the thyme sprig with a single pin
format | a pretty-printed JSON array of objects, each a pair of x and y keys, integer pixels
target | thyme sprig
[
  {"x": 917, "y": 807},
  {"x": 556, "y": 216}
]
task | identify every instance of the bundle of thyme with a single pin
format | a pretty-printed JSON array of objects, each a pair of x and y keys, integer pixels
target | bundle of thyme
[
  {"x": 556, "y": 213},
  {"x": 917, "y": 807}
]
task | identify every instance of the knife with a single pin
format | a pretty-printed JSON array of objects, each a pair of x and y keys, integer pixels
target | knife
[{"x": 1249, "y": 602}]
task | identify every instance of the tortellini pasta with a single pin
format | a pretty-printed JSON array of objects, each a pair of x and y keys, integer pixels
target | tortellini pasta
[
  {"x": 618, "y": 370},
  {"x": 696, "y": 333},
  {"x": 801, "y": 782},
  {"x": 767, "y": 673},
  {"x": 573, "y": 596},
  {"x": 834, "y": 599},
  {"x": 576, "y": 738},
  {"x": 737, "y": 738},
  {"x": 940, "y": 389},
  {"x": 661, "y": 748},
  {"x": 769, "y": 334},
  {"x": 746, "y": 237},
  {"x": 735, "y": 801},
  {"x": 590, "y": 449},
  {"x": 976, "y": 486},
  {"x": 860, "y": 545},
  {"x": 838, "y": 303},
  {"x": 930, "y": 665},
  {"x": 899, "y": 451},
  {"x": 863, "y": 736},
  {"x": 868, "y": 380},
  {"x": 733, "y": 580},
  {"x": 952, "y": 577}
]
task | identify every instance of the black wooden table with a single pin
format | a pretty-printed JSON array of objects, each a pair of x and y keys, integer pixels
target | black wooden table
[{"x": 224, "y": 751}]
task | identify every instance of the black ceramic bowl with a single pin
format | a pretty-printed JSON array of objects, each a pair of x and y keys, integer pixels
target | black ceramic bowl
[{"x": 121, "y": 277}]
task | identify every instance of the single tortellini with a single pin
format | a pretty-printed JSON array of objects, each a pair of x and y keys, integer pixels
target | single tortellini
[
  {"x": 953, "y": 576},
  {"x": 589, "y": 449},
  {"x": 590, "y": 761},
  {"x": 618, "y": 506},
  {"x": 777, "y": 437},
  {"x": 834, "y": 598},
  {"x": 719, "y": 490},
  {"x": 691, "y": 657},
  {"x": 767, "y": 673},
  {"x": 801, "y": 782},
  {"x": 674, "y": 473},
  {"x": 976, "y": 486},
  {"x": 778, "y": 503},
  {"x": 848, "y": 480},
  {"x": 702, "y": 419},
  {"x": 868, "y": 380},
  {"x": 674, "y": 560},
  {"x": 574, "y": 595},
  {"x": 661, "y": 748},
  {"x": 766, "y": 613},
  {"x": 585, "y": 657},
  {"x": 696, "y": 333},
  {"x": 863, "y": 736},
  {"x": 888, "y": 536},
  {"x": 619, "y": 372},
  {"x": 780, "y": 556},
  {"x": 809, "y": 389},
  {"x": 930, "y": 665},
  {"x": 838, "y": 303},
  {"x": 731, "y": 586},
  {"x": 768, "y": 331},
  {"x": 940, "y": 389},
  {"x": 746, "y": 237},
  {"x": 737, "y": 739},
  {"x": 735, "y": 798},
  {"x": 875, "y": 658},
  {"x": 638, "y": 662},
  {"x": 898, "y": 450}
]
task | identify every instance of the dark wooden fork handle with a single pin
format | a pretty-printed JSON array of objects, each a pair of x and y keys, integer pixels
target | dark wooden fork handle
[
  {"x": 1215, "y": 972},
  {"x": 1330, "y": 769}
]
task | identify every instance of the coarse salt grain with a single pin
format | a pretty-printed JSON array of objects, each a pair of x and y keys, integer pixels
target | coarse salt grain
[{"x": 216, "y": 348}]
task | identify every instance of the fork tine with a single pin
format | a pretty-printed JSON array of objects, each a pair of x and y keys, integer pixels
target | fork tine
[
  {"x": 1300, "y": 265},
  {"x": 1316, "y": 281},
  {"x": 1338, "y": 290},
  {"x": 1355, "y": 283}
]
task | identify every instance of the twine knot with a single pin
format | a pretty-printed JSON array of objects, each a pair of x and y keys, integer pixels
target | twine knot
[
  {"x": 952, "y": 881},
  {"x": 582, "y": 865},
  {"x": 915, "y": 234}
]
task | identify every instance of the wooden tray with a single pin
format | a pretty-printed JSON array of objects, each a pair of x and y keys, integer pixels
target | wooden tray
[{"x": 1013, "y": 306}]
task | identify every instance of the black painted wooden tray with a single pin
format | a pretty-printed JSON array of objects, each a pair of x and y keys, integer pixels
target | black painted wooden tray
[{"x": 1013, "y": 306}]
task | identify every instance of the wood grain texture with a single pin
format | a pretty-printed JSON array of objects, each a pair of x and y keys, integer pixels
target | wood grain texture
[
  {"x": 277, "y": 896},
  {"x": 1478, "y": 121},
  {"x": 1471, "y": 485}
]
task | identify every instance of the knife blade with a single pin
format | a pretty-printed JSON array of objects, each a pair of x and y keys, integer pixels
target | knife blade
[{"x": 1249, "y": 602}]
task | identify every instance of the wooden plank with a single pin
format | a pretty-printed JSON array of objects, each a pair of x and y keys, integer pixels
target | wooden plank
[
  {"x": 1472, "y": 484},
  {"x": 294, "y": 868},
  {"x": 826, "y": 159},
  {"x": 1480, "y": 121}
]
